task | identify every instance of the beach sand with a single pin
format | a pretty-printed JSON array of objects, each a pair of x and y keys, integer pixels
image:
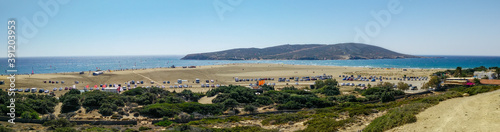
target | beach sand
[{"x": 221, "y": 74}]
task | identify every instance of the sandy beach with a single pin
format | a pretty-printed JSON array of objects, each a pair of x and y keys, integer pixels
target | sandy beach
[{"x": 221, "y": 74}]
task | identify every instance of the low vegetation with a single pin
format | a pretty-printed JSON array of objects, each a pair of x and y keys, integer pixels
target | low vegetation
[
  {"x": 33, "y": 104},
  {"x": 406, "y": 114}
]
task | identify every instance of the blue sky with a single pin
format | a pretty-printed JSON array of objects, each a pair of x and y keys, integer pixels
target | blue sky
[{"x": 179, "y": 27}]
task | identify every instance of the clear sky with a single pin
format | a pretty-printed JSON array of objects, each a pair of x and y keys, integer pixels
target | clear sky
[{"x": 179, "y": 27}]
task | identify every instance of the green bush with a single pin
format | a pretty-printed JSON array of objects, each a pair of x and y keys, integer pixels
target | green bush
[
  {"x": 396, "y": 117},
  {"x": 5, "y": 129},
  {"x": 244, "y": 129},
  {"x": 264, "y": 100},
  {"x": 328, "y": 90},
  {"x": 26, "y": 115},
  {"x": 475, "y": 89},
  {"x": 34, "y": 115},
  {"x": 143, "y": 128},
  {"x": 71, "y": 102},
  {"x": 386, "y": 97},
  {"x": 170, "y": 110},
  {"x": 325, "y": 124},
  {"x": 250, "y": 108},
  {"x": 164, "y": 123},
  {"x": 65, "y": 129},
  {"x": 283, "y": 118},
  {"x": 58, "y": 123}
]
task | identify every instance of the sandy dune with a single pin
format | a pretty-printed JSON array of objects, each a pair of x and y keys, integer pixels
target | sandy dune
[{"x": 475, "y": 113}]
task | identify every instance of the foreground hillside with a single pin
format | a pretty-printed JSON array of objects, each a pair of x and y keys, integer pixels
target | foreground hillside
[
  {"x": 475, "y": 113},
  {"x": 344, "y": 51}
]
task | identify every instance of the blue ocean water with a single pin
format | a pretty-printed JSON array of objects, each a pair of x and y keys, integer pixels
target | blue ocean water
[{"x": 25, "y": 65}]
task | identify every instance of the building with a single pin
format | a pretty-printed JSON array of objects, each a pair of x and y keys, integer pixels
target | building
[
  {"x": 453, "y": 81},
  {"x": 490, "y": 82},
  {"x": 112, "y": 90},
  {"x": 483, "y": 74}
]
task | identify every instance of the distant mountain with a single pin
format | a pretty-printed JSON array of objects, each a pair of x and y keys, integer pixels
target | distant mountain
[{"x": 343, "y": 51}]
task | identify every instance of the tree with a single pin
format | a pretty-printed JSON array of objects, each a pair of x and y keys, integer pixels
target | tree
[
  {"x": 458, "y": 72},
  {"x": 26, "y": 115},
  {"x": 328, "y": 90},
  {"x": 477, "y": 81},
  {"x": 481, "y": 68},
  {"x": 403, "y": 86},
  {"x": 73, "y": 91},
  {"x": 319, "y": 84},
  {"x": 105, "y": 111},
  {"x": 433, "y": 82},
  {"x": 331, "y": 90},
  {"x": 70, "y": 103},
  {"x": 386, "y": 97},
  {"x": 369, "y": 85},
  {"x": 331, "y": 82},
  {"x": 230, "y": 103},
  {"x": 34, "y": 115},
  {"x": 250, "y": 109}
]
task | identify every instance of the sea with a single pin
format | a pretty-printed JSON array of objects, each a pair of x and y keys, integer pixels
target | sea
[{"x": 40, "y": 65}]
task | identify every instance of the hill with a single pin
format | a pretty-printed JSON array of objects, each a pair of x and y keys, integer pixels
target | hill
[{"x": 343, "y": 51}]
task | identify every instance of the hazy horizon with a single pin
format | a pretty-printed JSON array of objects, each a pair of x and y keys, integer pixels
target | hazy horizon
[{"x": 125, "y": 28}]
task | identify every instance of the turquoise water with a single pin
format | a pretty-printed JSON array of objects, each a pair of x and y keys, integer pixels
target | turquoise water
[{"x": 75, "y": 64}]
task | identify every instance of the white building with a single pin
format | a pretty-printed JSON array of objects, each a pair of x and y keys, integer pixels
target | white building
[
  {"x": 483, "y": 74},
  {"x": 113, "y": 90}
]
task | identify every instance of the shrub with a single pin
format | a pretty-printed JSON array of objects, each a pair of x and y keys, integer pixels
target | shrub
[
  {"x": 325, "y": 124},
  {"x": 264, "y": 100},
  {"x": 65, "y": 129},
  {"x": 105, "y": 111},
  {"x": 58, "y": 123},
  {"x": 328, "y": 90},
  {"x": 291, "y": 105},
  {"x": 250, "y": 108},
  {"x": 345, "y": 98},
  {"x": 143, "y": 128},
  {"x": 170, "y": 110},
  {"x": 396, "y": 117},
  {"x": 283, "y": 118},
  {"x": 70, "y": 103},
  {"x": 5, "y": 129},
  {"x": 164, "y": 123},
  {"x": 386, "y": 97},
  {"x": 34, "y": 115},
  {"x": 26, "y": 115}
]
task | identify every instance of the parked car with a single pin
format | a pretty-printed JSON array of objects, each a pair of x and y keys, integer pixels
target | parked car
[
  {"x": 60, "y": 89},
  {"x": 46, "y": 91},
  {"x": 20, "y": 90},
  {"x": 55, "y": 89},
  {"x": 66, "y": 88},
  {"x": 27, "y": 90},
  {"x": 40, "y": 91}
]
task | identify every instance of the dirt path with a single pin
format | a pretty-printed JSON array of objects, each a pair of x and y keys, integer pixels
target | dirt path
[
  {"x": 475, "y": 113},
  {"x": 57, "y": 109},
  {"x": 144, "y": 77},
  {"x": 207, "y": 100}
]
